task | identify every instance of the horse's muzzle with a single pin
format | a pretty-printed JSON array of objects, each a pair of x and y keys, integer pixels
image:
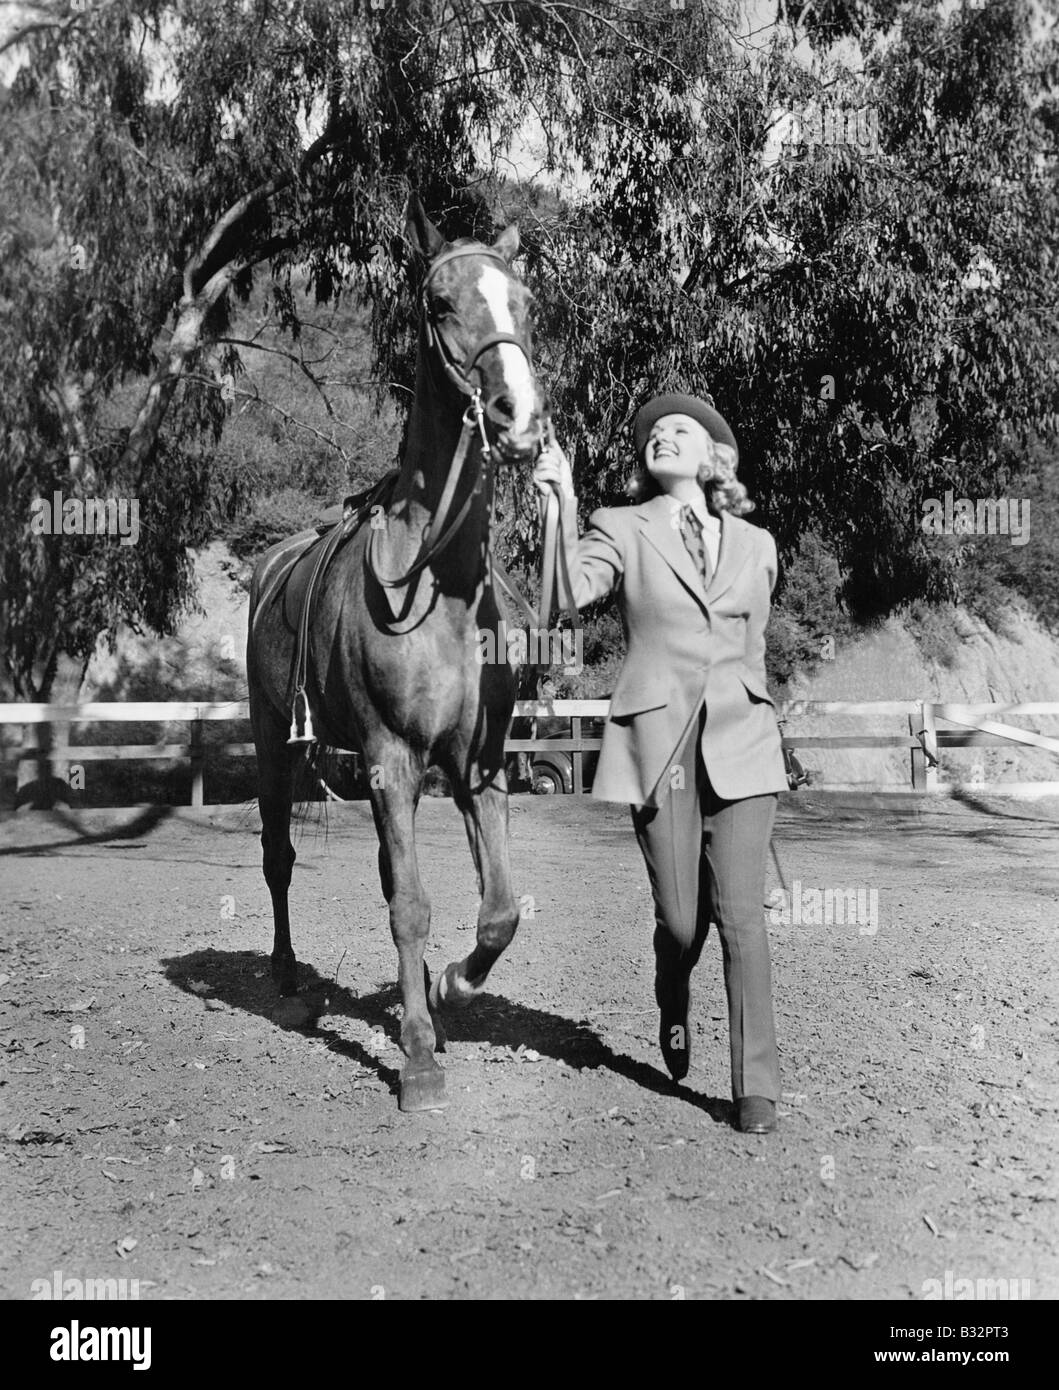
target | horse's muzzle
[{"x": 522, "y": 448}]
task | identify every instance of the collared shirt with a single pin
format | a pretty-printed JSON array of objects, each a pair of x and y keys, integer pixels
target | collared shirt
[{"x": 711, "y": 527}]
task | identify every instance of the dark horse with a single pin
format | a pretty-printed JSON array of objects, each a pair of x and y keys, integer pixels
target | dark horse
[{"x": 394, "y": 669}]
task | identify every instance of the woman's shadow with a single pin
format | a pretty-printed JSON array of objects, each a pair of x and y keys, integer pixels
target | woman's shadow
[{"x": 242, "y": 980}]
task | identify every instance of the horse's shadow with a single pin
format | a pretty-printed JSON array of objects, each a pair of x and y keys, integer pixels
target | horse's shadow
[
  {"x": 242, "y": 980},
  {"x": 64, "y": 818}
]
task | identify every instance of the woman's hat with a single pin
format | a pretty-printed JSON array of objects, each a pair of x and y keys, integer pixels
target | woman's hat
[{"x": 715, "y": 425}]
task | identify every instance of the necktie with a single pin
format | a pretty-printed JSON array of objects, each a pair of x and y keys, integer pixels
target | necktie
[{"x": 691, "y": 531}]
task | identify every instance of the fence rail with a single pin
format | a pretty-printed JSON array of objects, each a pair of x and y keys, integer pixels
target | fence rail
[{"x": 977, "y": 726}]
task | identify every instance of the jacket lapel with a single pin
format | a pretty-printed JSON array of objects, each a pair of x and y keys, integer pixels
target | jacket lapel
[
  {"x": 659, "y": 525},
  {"x": 734, "y": 553}
]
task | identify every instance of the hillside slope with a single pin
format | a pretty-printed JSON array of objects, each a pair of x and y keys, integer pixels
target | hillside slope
[{"x": 970, "y": 664}]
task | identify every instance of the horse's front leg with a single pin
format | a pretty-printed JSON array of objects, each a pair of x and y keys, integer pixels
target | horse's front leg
[
  {"x": 484, "y": 807},
  {"x": 422, "y": 1084},
  {"x": 278, "y": 856}
]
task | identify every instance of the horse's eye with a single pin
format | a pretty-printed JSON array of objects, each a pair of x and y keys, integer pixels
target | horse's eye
[{"x": 444, "y": 308}]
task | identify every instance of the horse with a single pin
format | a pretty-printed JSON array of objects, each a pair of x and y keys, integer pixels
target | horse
[{"x": 391, "y": 657}]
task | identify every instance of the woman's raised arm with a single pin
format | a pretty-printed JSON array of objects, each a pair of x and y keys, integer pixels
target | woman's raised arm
[{"x": 595, "y": 559}]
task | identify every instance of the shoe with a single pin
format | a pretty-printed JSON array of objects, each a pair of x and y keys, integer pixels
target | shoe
[
  {"x": 674, "y": 1002},
  {"x": 755, "y": 1115}
]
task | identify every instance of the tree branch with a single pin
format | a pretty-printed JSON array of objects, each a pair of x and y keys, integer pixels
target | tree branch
[
  {"x": 185, "y": 339},
  {"x": 258, "y": 399},
  {"x": 299, "y": 362},
  {"x": 40, "y": 26},
  {"x": 238, "y": 210}
]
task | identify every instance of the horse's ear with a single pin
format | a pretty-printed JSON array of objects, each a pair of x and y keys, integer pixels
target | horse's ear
[
  {"x": 420, "y": 231},
  {"x": 507, "y": 243}
]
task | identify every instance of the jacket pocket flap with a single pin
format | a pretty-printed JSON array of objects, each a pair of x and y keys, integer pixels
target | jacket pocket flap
[
  {"x": 755, "y": 685},
  {"x": 636, "y": 697}
]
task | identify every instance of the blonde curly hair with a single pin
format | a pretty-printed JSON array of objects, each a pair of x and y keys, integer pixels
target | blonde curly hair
[{"x": 717, "y": 478}]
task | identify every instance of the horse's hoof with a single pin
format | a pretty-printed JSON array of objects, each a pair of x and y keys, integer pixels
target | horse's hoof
[
  {"x": 293, "y": 1011},
  {"x": 285, "y": 976},
  {"x": 423, "y": 1089},
  {"x": 450, "y": 990}
]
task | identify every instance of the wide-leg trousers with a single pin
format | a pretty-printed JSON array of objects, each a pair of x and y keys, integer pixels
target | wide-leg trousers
[{"x": 706, "y": 860}]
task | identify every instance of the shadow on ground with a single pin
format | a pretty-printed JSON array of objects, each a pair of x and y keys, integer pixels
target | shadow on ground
[
  {"x": 141, "y": 824},
  {"x": 242, "y": 980}
]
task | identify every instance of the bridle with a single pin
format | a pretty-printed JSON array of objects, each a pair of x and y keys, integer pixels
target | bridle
[
  {"x": 459, "y": 372},
  {"x": 441, "y": 531}
]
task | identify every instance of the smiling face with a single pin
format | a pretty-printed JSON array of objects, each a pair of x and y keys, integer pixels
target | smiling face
[{"x": 676, "y": 449}]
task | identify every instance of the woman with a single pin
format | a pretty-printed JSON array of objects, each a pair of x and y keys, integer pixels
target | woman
[{"x": 691, "y": 742}]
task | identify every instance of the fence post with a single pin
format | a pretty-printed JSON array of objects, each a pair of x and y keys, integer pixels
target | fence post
[
  {"x": 60, "y": 752},
  {"x": 919, "y": 758},
  {"x": 925, "y": 756},
  {"x": 930, "y": 746},
  {"x": 575, "y": 729},
  {"x": 198, "y": 762}
]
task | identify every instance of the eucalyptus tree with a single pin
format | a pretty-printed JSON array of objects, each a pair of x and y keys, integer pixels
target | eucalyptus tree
[
  {"x": 155, "y": 157},
  {"x": 851, "y": 246},
  {"x": 869, "y": 298}
]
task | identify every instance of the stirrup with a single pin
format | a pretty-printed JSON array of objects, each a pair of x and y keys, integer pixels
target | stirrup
[{"x": 306, "y": 735}]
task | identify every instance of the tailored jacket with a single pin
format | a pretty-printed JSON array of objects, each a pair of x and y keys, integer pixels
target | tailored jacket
[{"x": 686, "y": 646}]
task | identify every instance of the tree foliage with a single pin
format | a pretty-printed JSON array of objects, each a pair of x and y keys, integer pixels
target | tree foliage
[
  {"x": 877, "y": 325},
  {"x": 189, "y": 147}
]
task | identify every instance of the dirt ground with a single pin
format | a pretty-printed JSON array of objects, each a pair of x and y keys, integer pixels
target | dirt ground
[{"x": 162, "y": 1121}]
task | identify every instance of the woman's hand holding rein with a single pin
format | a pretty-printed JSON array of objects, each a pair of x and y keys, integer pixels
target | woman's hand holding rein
[{"x": 552, "y": 468}]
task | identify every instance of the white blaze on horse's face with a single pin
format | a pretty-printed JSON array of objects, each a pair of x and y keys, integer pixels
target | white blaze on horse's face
[{"x": 520, "y": 389}]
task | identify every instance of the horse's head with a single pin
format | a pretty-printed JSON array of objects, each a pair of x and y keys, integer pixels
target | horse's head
[{"x": 478, "y": 322}]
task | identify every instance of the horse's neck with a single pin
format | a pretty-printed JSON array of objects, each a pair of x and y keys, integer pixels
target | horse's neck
[{"x": 434, "y": 429}]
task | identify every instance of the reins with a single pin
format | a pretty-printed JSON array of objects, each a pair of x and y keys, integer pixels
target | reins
[
  {"x": 553, "y": 565},
  {"x": 441, "y": 532},
  {"x": 442, "y": 529}
]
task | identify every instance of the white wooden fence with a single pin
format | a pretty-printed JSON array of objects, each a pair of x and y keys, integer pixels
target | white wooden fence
[{"x": 977, "y": 725}]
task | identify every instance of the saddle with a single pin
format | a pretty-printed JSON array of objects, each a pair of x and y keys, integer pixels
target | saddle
[
  {"x": 297, "y": 590},
  {"x": 335, "y": 526}
]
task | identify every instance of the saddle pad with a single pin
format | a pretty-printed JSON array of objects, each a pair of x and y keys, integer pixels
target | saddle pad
[
  {"x": 350, "y": 514},
  {"x": 297, "y": 582}
]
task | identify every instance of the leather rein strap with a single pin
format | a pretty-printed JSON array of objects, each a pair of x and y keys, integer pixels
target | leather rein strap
[
  {"x": 458, "y": 373},
  {"x": 441, "y": 530},
  {"x": 554, "y": 564}
]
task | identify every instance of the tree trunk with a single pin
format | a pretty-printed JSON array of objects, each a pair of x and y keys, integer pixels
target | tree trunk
[
  {"x": 207, "y": 276},
  {"x": 37, "y": 785},
  {"x": 152, "y": 412}
]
